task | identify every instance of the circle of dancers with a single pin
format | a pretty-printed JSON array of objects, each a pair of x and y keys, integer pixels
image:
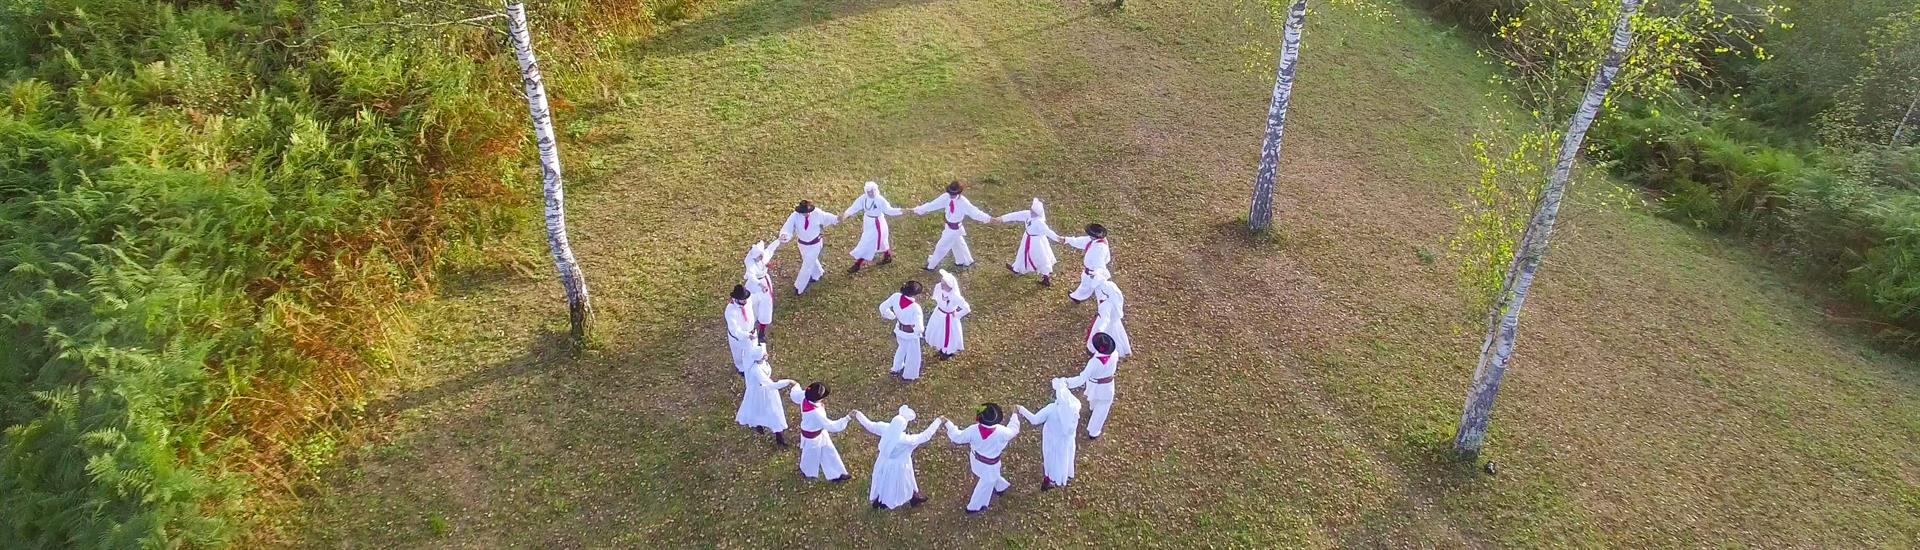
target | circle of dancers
[{"x": 749, "y": 311}]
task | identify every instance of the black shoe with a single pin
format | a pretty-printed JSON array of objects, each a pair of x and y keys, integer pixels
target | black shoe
[
  {"x": 1046, "y": 280},
  {"x": 877, "y": 505},
  {"x": 1076, "y": 301},
  {"x": 916, "y": 500},
  {"x": 759, "y": 430},
  {"x": 886, "y": 259},
  {"x": 1010, "y": 269},
  {"x": 930, "y": 269},
  {"x": 842, "y": 478},
  {"x": 976, "y": 511},
  {"x": 856, "y": 266},
  {"x": 1046, "y": 484},
  {"x": 780, "y": 438}
]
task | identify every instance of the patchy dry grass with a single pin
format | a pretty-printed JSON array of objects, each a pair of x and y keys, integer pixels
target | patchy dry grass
[{"x": 1294, "y": 391}]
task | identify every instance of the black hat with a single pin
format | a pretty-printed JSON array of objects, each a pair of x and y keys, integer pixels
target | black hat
[
  {"x": 817, "y": 391},
  {"x": 1103, "y": 343},
  {"x": 989, "y": 414},
  {"x": 954, "y": 187},
  {"x": 740, "y": 292},
  {"x": 804, "y": 207},
  {"x": 1097, "y": 231},
  {"x": 910, "y": 289}
]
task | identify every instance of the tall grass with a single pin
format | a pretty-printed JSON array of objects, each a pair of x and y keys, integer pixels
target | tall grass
[{"x": 207, "y": 210}]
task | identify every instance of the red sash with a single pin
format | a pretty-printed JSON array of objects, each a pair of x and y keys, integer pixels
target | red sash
[
  {"x": 987, "y": 460},
  {"x": 810, "y": 434}
]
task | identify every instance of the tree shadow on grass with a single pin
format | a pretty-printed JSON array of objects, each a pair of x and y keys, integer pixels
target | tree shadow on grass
[
  {"x": 549, "y": 345},
  {"x": 749, "y": 20}
]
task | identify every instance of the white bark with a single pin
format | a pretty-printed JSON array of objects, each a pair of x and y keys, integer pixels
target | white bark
[
  {"x": 1497, "y": 349},
  {"x": 579, "y": 306},
  {"x": 1260, "y": 217},
  {"x": 1901, "y": 127}
]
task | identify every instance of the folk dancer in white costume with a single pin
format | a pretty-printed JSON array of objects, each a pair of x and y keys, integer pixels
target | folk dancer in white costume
[
  {"x": 1093, "y": 263},
  {"x": 740, "y": 328},
  {"x": 1098, "y": 379},
  {"x": 953, "y": 239},
  {"x": 818, "y": 457},
  {"x": 875, "y": 236},
  {"x": 1035, "y": 254},
  {"x": 987, "y": 440},
  {"x": 1110, "y": 319},
  {"x": 904, "y": 310},
  {"x": 758, "y": 282},
  {"x": 760, "y": 405},
  {"x": 944, "y": 331},
  {"x": 893, "y": 482},
  {"x": 1060, "y": 423},
  {"x": 804, "y": 224}
]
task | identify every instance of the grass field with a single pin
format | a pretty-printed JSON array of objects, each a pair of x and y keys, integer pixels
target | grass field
[{"x": 1670, "y": 389}]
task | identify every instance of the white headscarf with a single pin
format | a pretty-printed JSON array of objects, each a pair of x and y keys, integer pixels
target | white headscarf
[
  {"x": 754, "y": 254},
  {"x": 1063, "y": 396},
  {"x": 1039, "y": 210},
  {"x": 873, "y": 189},
  {"x": 896, "y": 429},
  {"x": 952, "y": 283}
]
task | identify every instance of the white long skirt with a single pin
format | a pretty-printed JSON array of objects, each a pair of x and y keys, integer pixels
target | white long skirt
[
  {"x": 893, "y": 482},
  {"x": 761, "y": 407},
  {"x": 945, "y": 332},
  {"x": 1035, "y": 255},
  {"x": 1058, "y": 455},
  {"x": 875, "y": 238}
]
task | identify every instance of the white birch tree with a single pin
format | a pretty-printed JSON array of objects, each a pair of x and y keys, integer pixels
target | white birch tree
[
  {"x": 1260, "y": 216},
  {"x": 1497, "y": 349},
  {"x": 579, "y": 304}
]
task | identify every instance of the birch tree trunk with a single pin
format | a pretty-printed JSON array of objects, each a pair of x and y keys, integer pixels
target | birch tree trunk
[
  {"x": 1901, "y": 127},
  {"x": 579, "y": 306},
  {"x": 1504, "y": 323},
  {"x": 1260, "y": 218}
]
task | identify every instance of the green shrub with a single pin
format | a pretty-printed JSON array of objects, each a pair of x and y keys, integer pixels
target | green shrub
[{"x": 207, "y": 211}]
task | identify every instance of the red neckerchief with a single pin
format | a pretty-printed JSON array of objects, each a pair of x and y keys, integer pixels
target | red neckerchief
[
  {"x": 985, "y": 431},
  {"x": 808, "y": 406},
  {"x": 1103, "y": 358},
  {"x": 905, "y": 301}
]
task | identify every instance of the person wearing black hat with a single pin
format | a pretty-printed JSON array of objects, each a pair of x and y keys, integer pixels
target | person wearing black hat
[
  {"x": 818, "y": 457},
  {"x": 874, "y": 235},
  {"x": 988, "y": 439},
  {"x": 954, "y": 238},
  {"x": 903, "y": 308},
  {"x": 804, "y": 224},
  {"x": 740, "y": 328},
  {"x": 1093, "y": 263},
  {"x": 1098, "y": 379}
]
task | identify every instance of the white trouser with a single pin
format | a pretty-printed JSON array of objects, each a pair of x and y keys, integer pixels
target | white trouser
[
  {"x": 822, "y": 461},
  {"x": 740, "y": 348},
  {"x": 906, "y": 357},
  {"x": 810, "y": 269},
  {"x": 989, "y": 482},
  {"x": 1117, "y": 328},
  {"x": 1098, "y": 419},
  {"x": 955, "y": 241},
  {"x": 1089, "y": 282}
]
